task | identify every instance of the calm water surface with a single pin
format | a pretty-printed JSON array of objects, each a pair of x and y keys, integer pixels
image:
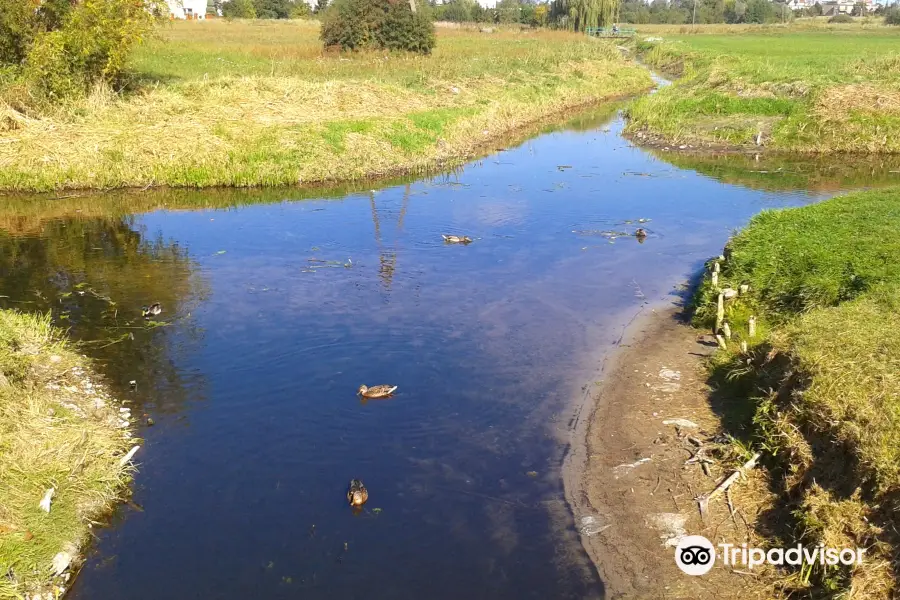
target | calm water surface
[{"x": 278, "y": 306}]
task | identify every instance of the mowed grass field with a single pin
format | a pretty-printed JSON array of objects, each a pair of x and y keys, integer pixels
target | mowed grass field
[
  {"x": 261, "y": 103},
  {"x": 806, "y": 88}
]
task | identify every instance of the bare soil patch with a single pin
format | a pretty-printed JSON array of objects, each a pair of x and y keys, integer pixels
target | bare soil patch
[{"x": 632, "y": 494}]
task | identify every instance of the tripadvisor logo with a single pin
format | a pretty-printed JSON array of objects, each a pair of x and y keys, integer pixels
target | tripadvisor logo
[{"x": 695, "y": 555}]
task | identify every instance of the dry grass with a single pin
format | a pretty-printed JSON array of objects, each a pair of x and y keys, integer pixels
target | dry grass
[
  {"x": 246, "y": 104},
  {"x": 58, "y": 429}
]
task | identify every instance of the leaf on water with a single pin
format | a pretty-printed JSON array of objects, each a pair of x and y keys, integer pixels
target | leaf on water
[
  {"x": 219, "y": 253},
  {"x": 532, "y": 473},
  {"x": 376, "y": 510}
]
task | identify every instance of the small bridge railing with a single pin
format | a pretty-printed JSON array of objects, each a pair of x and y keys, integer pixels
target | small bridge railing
[{"x": 607, "y": 32}]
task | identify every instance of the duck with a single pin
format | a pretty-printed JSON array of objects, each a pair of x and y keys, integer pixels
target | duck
[
  {"x": 151, "y": 311},
  {"x": 640, "y": 234},
  {"x": 457, "y": 239},
  {"x": 376, "y": 391},
  {"x": 357, "y": 494}
]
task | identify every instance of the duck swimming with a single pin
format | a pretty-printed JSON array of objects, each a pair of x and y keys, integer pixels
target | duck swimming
[
  {"x": 357, "y": 494},
  {"x": 376, "y": 391},
  {"x": 457, "y": 239},
  {"x": 151, "y": 311}
]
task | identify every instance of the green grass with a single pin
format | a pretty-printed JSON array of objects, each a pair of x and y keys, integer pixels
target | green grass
[
  {"x": 220, "y": 103},
  {"x": 52, "y": 435},
  {"x": 819, "y": 386},
  {"x": 808, "y": 90}
]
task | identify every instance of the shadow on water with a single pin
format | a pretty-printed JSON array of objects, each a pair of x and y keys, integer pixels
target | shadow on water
[{"x": 279, "y": 303}]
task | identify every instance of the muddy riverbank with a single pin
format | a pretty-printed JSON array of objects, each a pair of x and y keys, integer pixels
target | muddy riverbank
[{"x": 631, "y": 493}]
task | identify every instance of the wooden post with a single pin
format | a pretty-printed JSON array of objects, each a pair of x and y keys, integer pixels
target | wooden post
[
  {"x": 743, "y": 288},
  {"x": 726, "y": 330},
  {"x": 412, "y": 5},
  {"x": 752, "y": 326},
  {"x": 716, "y": 267},
  {"x": 720, "y": 311},
  {"x": 721, "y": 340},
  {"x": 743, "y": 346},
  {"x": 715, "y": 279}
]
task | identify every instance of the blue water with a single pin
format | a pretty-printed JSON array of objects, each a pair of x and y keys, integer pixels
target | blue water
[{"x": 251, "y": 377}]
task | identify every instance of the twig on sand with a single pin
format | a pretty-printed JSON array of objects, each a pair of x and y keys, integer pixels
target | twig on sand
[{"x": 703, "y": 500}]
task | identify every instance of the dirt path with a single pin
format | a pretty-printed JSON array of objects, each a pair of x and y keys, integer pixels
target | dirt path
[{"x": 626, "y": 479}]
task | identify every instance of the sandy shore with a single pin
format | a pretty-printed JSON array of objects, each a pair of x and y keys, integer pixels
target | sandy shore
[{"x": 625, "y": 475}]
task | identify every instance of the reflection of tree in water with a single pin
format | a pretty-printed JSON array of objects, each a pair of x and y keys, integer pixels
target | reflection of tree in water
[
  {"x": 94, "y": 275},
  {"x": 387, "y": 258}
]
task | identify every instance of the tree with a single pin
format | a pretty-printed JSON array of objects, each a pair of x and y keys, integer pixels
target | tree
[
  {"x": 239, "y": 9},
  {"x": 321, "y": 5},
  {"x": 508, "y": 11},
  {"x": 759, "y": 11},
  {"x": 382, "y": 24},
  {"x": 815, "y": 10},
  {"x": 859, "y": 9},
  {"x": 273, "y": 9},
  {"x": 578, "y": 15},
  {"x": 892, "y": 15}
]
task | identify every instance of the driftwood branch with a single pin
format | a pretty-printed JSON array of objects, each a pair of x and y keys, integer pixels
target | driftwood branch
[{"x": 726, "y": 483}]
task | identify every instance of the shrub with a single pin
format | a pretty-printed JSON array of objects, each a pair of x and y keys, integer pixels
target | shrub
[
  {"x": 841, "y": 19},
  {"x": 91, "y": 46},
  {"x": 17, "y": 30},
  {"x": 892, "y": 16},
  {"x": 388, "y": 24}
]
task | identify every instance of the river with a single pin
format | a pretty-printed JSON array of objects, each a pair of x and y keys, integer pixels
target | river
[{"x": 279, "y": 304}]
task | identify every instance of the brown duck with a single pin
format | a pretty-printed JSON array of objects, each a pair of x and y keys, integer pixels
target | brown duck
[{"x": 376, "y": 391}]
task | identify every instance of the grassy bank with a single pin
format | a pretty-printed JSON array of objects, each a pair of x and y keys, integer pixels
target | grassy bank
[
  {"x": 259, "y": 103},
  {"x": 803, "y": 88},
  {"x": 822, "y": 376},
  {"x": 59, "y": 430}
]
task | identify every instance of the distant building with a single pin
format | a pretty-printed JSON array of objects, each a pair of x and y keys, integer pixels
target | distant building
[{"x": 187, "y": 9}]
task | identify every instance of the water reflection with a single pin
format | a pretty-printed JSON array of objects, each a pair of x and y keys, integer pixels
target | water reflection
[
  {"x": 93, "y": 275},
  {"x": 773, "y": 172}
]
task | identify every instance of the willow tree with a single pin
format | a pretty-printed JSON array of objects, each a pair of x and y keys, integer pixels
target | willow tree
[{"x": 578, "y": 15}]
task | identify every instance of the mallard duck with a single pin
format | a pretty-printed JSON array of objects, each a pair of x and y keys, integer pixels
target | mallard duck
[
  {"x": 376, "y": 391},
  {"x": 357, "y": 494},
  {"x": 640, "y": 233},
  {"x": 151, "y": 311},
  {"x": 457, "y": 239}
]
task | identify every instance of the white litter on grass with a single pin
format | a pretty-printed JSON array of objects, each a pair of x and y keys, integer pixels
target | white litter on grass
[
  {"x": 592, "y": 526},
  {"x": 46, "y": 500},
  {"x": 124, "y": 460},
  {"x": 683, "y": 423},
  {"x": 670, "y": 527},
  {"x": 61, "y": 562},
  {"x": 627, "y": 467}
]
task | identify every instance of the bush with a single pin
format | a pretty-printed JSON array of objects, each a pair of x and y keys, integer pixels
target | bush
[
  {"x": 387, "y": 24},
  {"x": 90, "y": 47},
  {"x": 892, "y": 16},
  {"x": 841, "y": 19}
]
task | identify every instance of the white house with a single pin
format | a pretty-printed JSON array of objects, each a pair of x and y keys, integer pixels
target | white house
[{"x": 187, "y": 9}]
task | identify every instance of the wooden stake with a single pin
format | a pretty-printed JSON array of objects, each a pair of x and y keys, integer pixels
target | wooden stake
[
  {"x": 743, "y": 289},
  {"x": 715, "y": 279},
  {"x": 703, "y": 500},
  {"x": 721, "y": 340},
  {"x": 743, "y": 346},
  {"x": 720, "y": 311},
  {"x": 726, "y": 330},
  {"x": 752, "y": 326},
  {"x": 716, "y": 267}
]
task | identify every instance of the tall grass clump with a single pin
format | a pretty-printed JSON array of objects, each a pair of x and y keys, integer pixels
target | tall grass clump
[
  {"x": 59, "y": 430},
  {"x": 377, "y": 24},
  {"x": 820, "y": 379}
]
